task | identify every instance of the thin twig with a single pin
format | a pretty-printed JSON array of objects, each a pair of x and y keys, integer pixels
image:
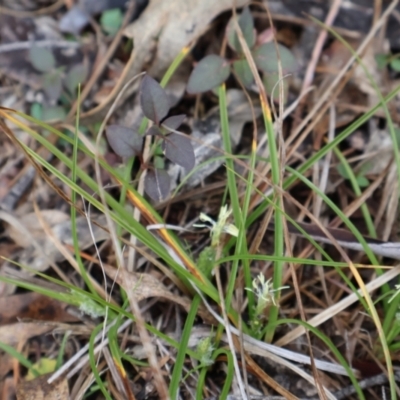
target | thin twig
[{"x": 61, "y": 44}]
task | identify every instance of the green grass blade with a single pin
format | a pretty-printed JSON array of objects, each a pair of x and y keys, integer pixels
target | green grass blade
[{"x": 181, "y": 355}]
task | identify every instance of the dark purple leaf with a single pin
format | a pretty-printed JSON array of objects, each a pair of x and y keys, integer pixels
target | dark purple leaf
[
  {"x": 153, "y": 100},
  {"x": 266, "y": 58},
  {"x": 157, "y": 184},
  {"x": 243, "y": 72},
  {"x": 154, "y": 131},
  {"x": 174, "y": 122},
  {"x": 124, "y": 141},
  {"x": 76, "y": 75},
  {"x": 246, "y": 24},
  {"x": 41, "y": 58},
  {"x": 52, "y": 85},
  {"x": 179, "y": 150},
  {"x": 209, "y": 73}
]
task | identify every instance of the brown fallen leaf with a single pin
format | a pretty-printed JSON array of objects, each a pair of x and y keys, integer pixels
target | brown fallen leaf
[
  {"x": 39, "y": 257},
  {"x": 32, "y": 224},
  {"x": 39, "y": 389},
  {"x": 17, "y": 334},
  {"x": 34, "y": 306},
  {"x": 6, "y": 365},
  {"x": 146, "y": 285}
]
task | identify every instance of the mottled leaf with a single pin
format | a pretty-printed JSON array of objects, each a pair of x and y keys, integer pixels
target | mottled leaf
[
  {"x": 243, "y": 72},
  {"x": 124, "y": 141},
  {"x": 75, "y": 76},
  {"x": 209, "y": 73},
  {"x": 111, "y": 20},
  {"x": 153, "y": 100},
  {"x": 179, "y": 150},
  {"x": 362, "y": 181},
  {"x": 246, "y": 25},
  {"x": 36, "y": 110},
  {"x": 395, "y": 64},
  {"x": 266, "y": 58},
  {"x": 52, "y": 84},
  {"x": 157, "y": 184},
  {"x": 41, "y": 59},
  {"x": 342, "y": 171},
  {"x": 174, "y": 122},
  {"x": 51, "y": 113},
  {"x": 381, "y": 61}
]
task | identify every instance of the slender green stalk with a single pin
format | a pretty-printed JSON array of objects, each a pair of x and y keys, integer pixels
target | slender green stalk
[
  {"x": 93, "y": 364},
  {"x": 382, "y": 101},
  {"x": 241, "y": 245},
  {"x": 357, "y": 191},
  {"x": 322, "y": 152},
  {"x": 364, "y": 208},
  {"x": 61, "y": 351},
  {"x": 74, "y": 230},
  {"x": 229, "y": 373},
  {"x": 279, "y": 232},
  {"x": 371, "y": 307},
  {"x": 21, "y": 359},
  {"x": 183, "y": 345}
]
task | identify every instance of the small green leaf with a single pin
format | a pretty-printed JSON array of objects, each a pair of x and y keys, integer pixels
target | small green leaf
[
  {"x": 246, "y": 24},
  {"x": 362, "y": 181},
  {"x": 36, "y": 110},
  {"x": 111, "y": 20},
  {"x": 159, "y": 162},
  {"x": 43, "y": 366},
  {"x": 52, "y": 84},
  {"x": 209, "y": 73},
  {"x": 41, "y": 59},
  {"x": 342, "y": 171},
  {"x": 75, "y": 76},
  {"x": 266, "y": 58},
  {"x": 54, "y": 113},
  {"x": 206, "y": 261},
  {"x": 153, "y": 100},
  {"x": 395, "y": 64},
  {"x": 381, "y": 61},
  {"x": 243, "y": 72}
]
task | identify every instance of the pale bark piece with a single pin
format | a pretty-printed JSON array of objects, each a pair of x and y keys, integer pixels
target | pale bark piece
[
  {"x": 31, "y": 223},
  {"x": 173, "y": 25},
  {"x": 159, "y": 34}
]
